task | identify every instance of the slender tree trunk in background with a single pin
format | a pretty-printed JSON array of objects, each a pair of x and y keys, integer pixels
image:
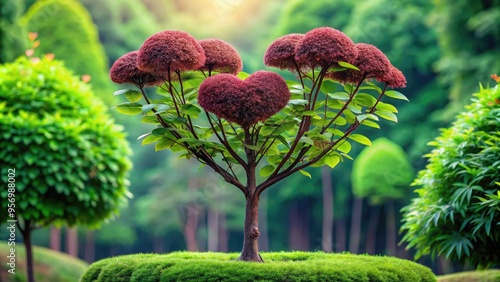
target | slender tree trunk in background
[
  {"x": 327, "y": 228},
  {"x": 391, "y": 232},
  {"x": 371, "y": 234},
  {"x": 264, "y": 238},
  {"x": 298, "y": 227},
  {"x": 158, "y": 245},
  {"x": 444, "y": 266},
  {"x": 26, "y": 232},
  {"x": 190, "y": 228},
  {"x": 250, "y": 250},
  {"x": 340, "y": 235},
  {"x": 89, "y": 253},
  {"x": 223, "y": 234},
  {"x": 72, "y": 241},
  {"x": 55, "y": 238},
  {"x": 355, "y": 234},
  {"x": 213, "y": 230}
]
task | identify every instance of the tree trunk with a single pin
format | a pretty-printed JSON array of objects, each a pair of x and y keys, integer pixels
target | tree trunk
[
  {"x": 72, "y": 242},
  {"x": 223, "y": 234},
  {"x": 55, "y": 238},
  {"x": 298, "y": 227},
  {"x": 371, "y": 234},
  {"x": 250, "y": 250},
  {"x": 89, "y": 253},
  {"x": 391, "y": 229},
  {"x": 190, "y": 228},
  {"x": 213, "y": 230},
  {"x": 26, "y": 232},
  {"x": 357, "y": 212},
  {"x": 327, "y": 228},
  {"x": 340, "y": 235}
]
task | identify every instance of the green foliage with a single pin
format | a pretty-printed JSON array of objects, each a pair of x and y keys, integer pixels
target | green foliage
[
  {"x": 123, "y": 24},
  {"x": 491, "y": 275},
  {"x": 469, "y": 37},
  {"x": 457, "y": 213},
  {"x": 381, "y": 172},
  {"x": 70, "y": 159},
  {"x": 12, "y": 34},
  {"x": 65, "y": 29},
  {"x": 49, "y": 265},
  {"x": 296, "y": 266}
]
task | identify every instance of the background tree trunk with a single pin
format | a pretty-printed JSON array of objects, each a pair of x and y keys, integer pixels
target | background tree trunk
[
  {"x": 213, "y": 230},
  {"x": 371, "y": 233},
  {"x": 391, "y": 231},
  {"x": 340, "y": 235},
  {"x": 190, "y": 228},
  {"x": 357, "y": 213},
  {"x": 327, "y": 227},
  {"x": 72, "y": 241},
  {"x": 89, "y": 254},
  {"x": 55, "y": 238},
  {"x": 298, "y": 227},
  {"x": 223, "y": 234}
]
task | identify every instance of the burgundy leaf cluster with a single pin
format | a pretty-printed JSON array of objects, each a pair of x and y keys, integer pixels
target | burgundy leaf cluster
[
  {"x": 220, "y": 57},
  {"x": 281, "y": 53},
  {"x": 244, "y": 102},
  {"x": 125, "y": 70}
]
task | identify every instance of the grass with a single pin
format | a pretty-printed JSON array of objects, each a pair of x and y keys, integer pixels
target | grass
[
  {"x": 294, "y": 266},
  {"x": 50, "y": 266},
  {"x": 492, "y": 275}
]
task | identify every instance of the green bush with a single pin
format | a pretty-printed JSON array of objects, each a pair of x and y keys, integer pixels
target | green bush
[
  {"x": 295, "y": 266},
  {"x": 492, "y": 275},
  {"x": 457, "y": 213},
  {"x": 50, "y": 266}
]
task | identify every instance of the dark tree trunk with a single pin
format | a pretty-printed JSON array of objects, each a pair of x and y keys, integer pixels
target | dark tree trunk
[
  {"x": 190, "y": 228},
  {"x": 223, "y": 234},
  {"x": 26, "y": 232},
  {"x": 371, "y": 234},
  {"x": 298, "y": 227},
  {"x": 391, "y": 228},
  {"x": 326, "y": 235},
  {"x": 340, "y": 235},
  {"x": 250, "y": 250},
  {"x": 355, "y": 234},
  {"x": 213, "y": 230},
  {"x": 72, "y": 242},
  {"x": 89, "y": 254},
  {"x": 55, "y": 238}
]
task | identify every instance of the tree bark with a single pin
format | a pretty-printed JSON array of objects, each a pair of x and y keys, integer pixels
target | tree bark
[
  {"x": 391, "y": 228},
  {"x": 72, "y": 241},
  {"x": 371, "y": 234},
  {"x": 55, "y": 238},
  {"x": 213, "y": 230},
  {"x": 190, "y": 228},
  {"x": 250, "y": 250},
  {"x": 357, "y": 211},
  {"x": 26, "y": 232},
  {"x": 327, "y": 228},
  {"x": 89, "y": 254},
  {"x": 340, "y": 235},
  {"x": 298, "y": 227},
  {"x": 223, "y": 234}
]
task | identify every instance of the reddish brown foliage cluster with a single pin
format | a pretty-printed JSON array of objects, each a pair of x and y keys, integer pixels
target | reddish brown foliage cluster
[
  {"x": 168, "y": 51},
  {"x": 220, "y": 57},
  {"x": 281, "y": 53},
  {"x": 124, "y": 70},
  {"x": 394, "y": 78},
  {"x": 244, "y": 102}
]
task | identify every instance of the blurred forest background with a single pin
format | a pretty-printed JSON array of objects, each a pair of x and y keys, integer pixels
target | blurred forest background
[{"x": 445, "y": 48}]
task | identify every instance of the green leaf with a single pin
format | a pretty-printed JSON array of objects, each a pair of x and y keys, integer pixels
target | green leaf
[
  {"x": 305, "y": 173},
  {"x": 345, "y": 147},
  {"x": 122, "y": 91},
  {"x": 129, "y": 108},
  {"x": 190, "y": 110},
  {"x": 252, "y": 147},
  {"x": 360, "y": 139},
  {"x": 309, "y": 113},
  {"x": 307, "y": 140},
  {"x": 266, "y": 170},
  {"x": 387, "y": 115},
  {"x": 163, "y": 144},
  {"x": 385, "y": 106},
  {"x": 147, "y": 108},
  {"x": 332, "y": 160},
  {"x": 396, "y": 95},
  {"x": 298, "y": 102},
  {"x": 243, "y": 75},
  {"x": 370, "y": 124},
  {"x": 339, "y": 95},
  {"x": 328, "y": 86},
  {"x": 133, "y": 96},
  {"x": 349, "y": 66}
]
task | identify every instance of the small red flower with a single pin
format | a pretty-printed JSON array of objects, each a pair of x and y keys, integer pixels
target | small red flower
[
  {"x": 169, "y": 51},
  {"x": 281, "y": 52},
  {"x": 220, "y": 57},
  {"x": 325, "y": 46},
  {"x": 394, "y": 78},
  {"x": 124, "y": 70}
]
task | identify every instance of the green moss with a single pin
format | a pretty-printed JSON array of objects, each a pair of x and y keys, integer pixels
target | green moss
[
  {"x": 49, "y": 265},
  {"x": 492, "y": 275},
  {"x": 295, "y": 266}
]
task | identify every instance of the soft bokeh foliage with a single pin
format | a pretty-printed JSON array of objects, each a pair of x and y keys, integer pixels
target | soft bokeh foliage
[
  {"x": 71, "y": 160},
  {"x": 458, "y": 209},
  {"x": 12, "y": 34}
]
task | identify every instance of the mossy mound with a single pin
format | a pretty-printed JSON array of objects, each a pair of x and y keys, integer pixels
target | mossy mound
[
  {"x": 49, "y": 265},
  {"x": 295, "y": 266},
  {"x": 492, "y": 275}
]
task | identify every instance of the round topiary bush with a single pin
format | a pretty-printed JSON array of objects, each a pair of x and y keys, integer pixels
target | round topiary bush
[{"x": 295, "y": 266}]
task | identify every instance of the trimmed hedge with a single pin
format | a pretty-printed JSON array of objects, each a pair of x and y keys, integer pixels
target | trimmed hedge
[
  {"x": 295, "y": 266},
  {"x": 491, "y": 275}
]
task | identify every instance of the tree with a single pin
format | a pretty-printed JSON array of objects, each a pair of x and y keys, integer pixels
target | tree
[
  {"x": 12, "y": 34},
  {"x": 382, "y": 173},
  {"x": 457, "y": 210},
  {"x": 65, "y": 29},
  {"x": 66, "y": 159},
  {"x": 205, "y": 109}
]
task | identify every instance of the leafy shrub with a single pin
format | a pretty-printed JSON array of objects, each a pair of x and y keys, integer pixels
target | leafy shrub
[
  {"x": 295, "y": 266},
  {"x": 49, "y": 265},
  {"x": 457, "y": 213}
]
